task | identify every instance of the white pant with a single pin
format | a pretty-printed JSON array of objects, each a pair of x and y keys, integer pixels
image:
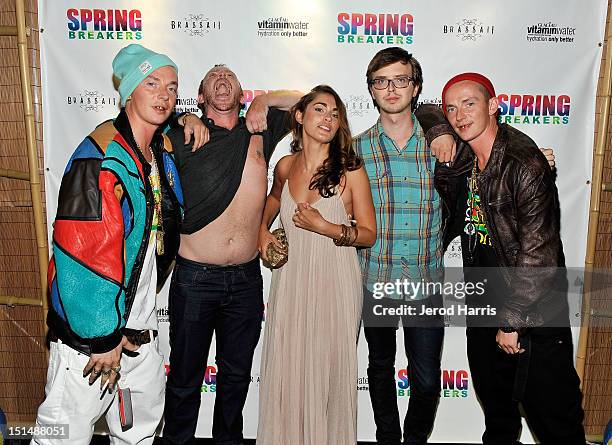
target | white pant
[{"x": 71, "y": 400}]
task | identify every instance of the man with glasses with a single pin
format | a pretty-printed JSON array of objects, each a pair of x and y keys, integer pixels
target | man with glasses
[{"x": 400, "y": 166}]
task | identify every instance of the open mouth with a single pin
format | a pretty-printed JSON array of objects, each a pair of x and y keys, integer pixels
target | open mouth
[
  {"x": 223, "y": 88},
  {"x": 324, "y": 127},
  {"x": 160, "y": 108}
]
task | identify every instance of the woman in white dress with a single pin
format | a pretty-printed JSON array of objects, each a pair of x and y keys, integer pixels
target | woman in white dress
[{"x": 309, "y": 364}]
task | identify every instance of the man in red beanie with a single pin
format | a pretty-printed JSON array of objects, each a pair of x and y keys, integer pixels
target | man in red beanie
[{"x": 501, "y": 199}]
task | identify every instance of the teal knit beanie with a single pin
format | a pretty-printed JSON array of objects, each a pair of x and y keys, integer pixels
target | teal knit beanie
[{"x": 133, "y": 64}]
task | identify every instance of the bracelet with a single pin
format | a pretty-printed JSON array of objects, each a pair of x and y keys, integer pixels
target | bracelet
[
  {"x": 343, "y": 237},
  {"x": 348, "y": 237}
]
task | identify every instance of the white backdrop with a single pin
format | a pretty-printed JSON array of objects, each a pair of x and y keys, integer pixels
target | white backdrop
[{"x": 543, "y": 58}]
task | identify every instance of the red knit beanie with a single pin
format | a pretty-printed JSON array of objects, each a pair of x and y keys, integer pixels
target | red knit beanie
[{"x": 474, "y": 77}]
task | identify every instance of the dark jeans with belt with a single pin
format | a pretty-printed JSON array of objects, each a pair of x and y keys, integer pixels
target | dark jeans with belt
[
  {"x": 550, "y": 392},
  {"x": 423, "y": 344},
  {"x": 226, "y": 300}
]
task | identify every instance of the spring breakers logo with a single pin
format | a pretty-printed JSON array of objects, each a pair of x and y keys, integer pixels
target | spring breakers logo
[
  {"x": 388, "y": 29},
  {"x": 454, "y": 383},
  {"x": 104, "y": 24},
  {"x": 249, "y": 95},
  {"x": 210, "y": 378},
  {"x": 529, "y": 109}
]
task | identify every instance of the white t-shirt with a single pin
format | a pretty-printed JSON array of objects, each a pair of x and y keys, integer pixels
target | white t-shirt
[{"x": 144, "y": 314}]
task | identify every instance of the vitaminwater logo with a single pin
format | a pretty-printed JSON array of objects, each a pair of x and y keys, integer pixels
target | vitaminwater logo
[
  {"x": 539, "y": 109},
  {"x": 469, "y": 30},
  {"x": 162, "y": 315},
  {"x": 195, "y": 25},
  {"x": 454, "y": 383},
  {"x": 282, "y": 27},
  {"x": 93, "y": 101},
  {"x": 187, "y": 105},
  {"x": 104, "y": 24},
  {"x": 549, "y": 32},
  {"x": 384, "y": 29}
]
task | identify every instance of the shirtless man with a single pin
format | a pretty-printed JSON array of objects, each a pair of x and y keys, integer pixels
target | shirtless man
[{"x": 217, "y": 284}]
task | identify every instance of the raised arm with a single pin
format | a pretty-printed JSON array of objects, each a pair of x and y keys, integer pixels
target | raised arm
[
  {"x": 438, "y": 132},
  {"x": 256, "y": 117}
]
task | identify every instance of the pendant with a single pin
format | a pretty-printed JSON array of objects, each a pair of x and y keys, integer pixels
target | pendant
[{"x": 470, "y": 229}]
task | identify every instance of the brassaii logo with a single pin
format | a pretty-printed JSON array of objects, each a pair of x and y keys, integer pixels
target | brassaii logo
[
  {"x": 195, "y": 25},
  {"x": 469, "y": 30},
  {"x": 93, "y": 101},
  {"x": 370, "y": 28},
  {"x": 359, "y": 105},
  {"x": 104, "y": 24}
]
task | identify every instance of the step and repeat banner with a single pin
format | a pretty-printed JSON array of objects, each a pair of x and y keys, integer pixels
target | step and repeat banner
[{"x": 543, "y": 58}]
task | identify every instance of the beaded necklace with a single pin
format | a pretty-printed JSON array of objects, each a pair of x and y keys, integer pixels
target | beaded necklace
[{"x": 470, "y": 228}]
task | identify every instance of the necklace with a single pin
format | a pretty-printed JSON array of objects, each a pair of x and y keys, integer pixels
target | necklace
[
  {"x": 156, "y": 223},
  {"x": 470, "y": 227},
  {"x": 157, "y": 206}
]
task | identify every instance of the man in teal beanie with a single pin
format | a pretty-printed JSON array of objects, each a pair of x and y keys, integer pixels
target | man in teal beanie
[{"x": 117, "y": 200}]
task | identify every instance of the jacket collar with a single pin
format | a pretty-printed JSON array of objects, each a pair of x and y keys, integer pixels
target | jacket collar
[
  {"x": 493, "y": 167},
  {"x": 465, "y": 155},
  {"x": 122, "y": 124}
]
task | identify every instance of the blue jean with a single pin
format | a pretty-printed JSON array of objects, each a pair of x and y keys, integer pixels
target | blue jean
[
  {"x": 226, "y": 300},
  {"x": 423, "y": 345}
]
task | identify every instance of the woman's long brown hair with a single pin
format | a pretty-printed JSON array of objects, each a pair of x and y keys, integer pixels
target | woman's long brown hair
[{"x": 342, "y": 157}]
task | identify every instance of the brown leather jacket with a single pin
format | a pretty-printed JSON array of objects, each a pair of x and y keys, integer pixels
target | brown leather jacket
[{"x": 521, "y": 208}]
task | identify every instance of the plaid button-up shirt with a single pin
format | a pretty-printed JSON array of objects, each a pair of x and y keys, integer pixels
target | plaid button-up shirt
[{"x": 408, "y": 213}]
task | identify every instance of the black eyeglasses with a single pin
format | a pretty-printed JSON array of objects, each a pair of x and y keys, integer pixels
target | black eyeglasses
[{"x": 382, "y": 83}]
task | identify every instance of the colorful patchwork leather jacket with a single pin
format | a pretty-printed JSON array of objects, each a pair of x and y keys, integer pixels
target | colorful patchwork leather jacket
[{"x": 101, "y": 233}]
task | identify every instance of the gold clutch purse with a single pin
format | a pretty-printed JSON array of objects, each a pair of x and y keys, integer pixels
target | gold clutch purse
[{"x": 277, "y": 258}]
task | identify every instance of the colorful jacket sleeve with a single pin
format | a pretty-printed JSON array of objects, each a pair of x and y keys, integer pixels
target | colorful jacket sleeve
[{"x": 88, "y": 266}]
